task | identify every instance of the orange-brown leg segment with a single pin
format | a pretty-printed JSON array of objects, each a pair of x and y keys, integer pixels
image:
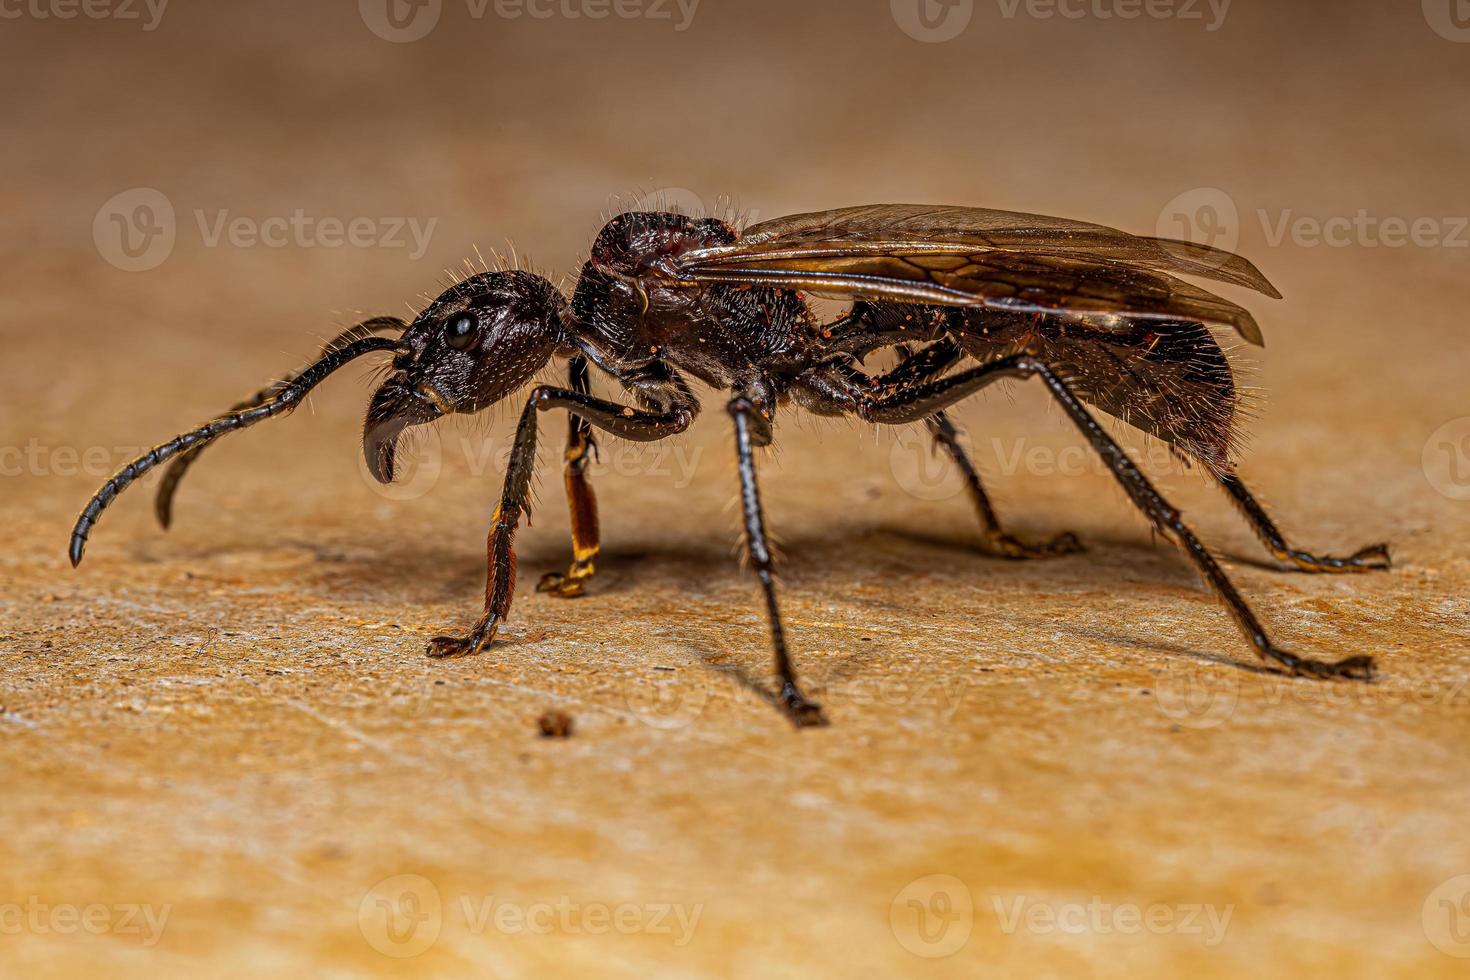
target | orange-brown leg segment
[
  {"x": 622, "y": 421},
  {"x": 581, "y": 501}
]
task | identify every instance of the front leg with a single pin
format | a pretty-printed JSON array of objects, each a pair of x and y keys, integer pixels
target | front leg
[
  {"x": 675, "y": 415},
  {"x": 581, "y": 501}
]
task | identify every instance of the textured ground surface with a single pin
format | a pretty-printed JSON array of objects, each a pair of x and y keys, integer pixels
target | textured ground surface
[{"x": 222, "y": 750}]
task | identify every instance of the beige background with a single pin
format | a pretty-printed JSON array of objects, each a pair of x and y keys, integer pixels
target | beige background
[{"x": 233, "y": 723}]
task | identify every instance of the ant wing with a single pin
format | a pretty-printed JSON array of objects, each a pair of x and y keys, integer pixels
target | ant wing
[{"x": 977, "y": 257}]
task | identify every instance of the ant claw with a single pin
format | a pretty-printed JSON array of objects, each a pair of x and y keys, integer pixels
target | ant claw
[
  {"x": 450, "y": 647},
  {"x": 562, "y": 585},
  {"x": 1352, "y": 668},
  {"x": 803, "y": 713},
  {"x": 1008, "y": 546},
  {"x": 1375, "y": 557}
]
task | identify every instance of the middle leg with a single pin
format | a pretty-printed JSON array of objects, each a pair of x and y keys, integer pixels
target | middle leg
[
  {"x": 581, "y": 501},
  {"x": 753, "y": 428},
  {"x": 917, "y": 368},
  {"x": 947, "y": 437}
]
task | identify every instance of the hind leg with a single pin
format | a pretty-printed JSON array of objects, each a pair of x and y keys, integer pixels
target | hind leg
[
  {"x": 1372, "y": 558},
  {"x": 925, "y": 400}
]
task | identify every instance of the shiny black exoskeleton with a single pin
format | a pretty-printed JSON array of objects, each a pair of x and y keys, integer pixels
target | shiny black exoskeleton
[{"x": 636, "y": 316}]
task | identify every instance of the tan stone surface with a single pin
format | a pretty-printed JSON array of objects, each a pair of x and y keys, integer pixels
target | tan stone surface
[{"x": 233, "y": 722}]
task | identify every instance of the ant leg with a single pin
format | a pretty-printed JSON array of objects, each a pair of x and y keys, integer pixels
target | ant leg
[
  {"x": 581, "y": 501},
  {"x": 923, "y": 366},
  {"x": 163, "y": 501},
  {"x": 619, "y": 420},
  {"x": 935, "y": 396},
  {"x": 803, "y": 713},
  {"x": 947, "y": 437},
  {"x": 1372, "y": 558}
]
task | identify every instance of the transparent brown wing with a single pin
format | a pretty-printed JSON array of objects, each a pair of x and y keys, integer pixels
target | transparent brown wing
[{"x": 977, "y": 257}]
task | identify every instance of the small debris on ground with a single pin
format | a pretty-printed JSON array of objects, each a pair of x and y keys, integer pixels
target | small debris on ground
[{"x": 555, "y": 724}]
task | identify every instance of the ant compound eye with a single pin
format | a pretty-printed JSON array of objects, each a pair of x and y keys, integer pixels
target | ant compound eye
[{"x": 459, "y": 332}]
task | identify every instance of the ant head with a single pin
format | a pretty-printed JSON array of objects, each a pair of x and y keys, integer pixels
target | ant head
[{"x": 476, "y": 344}]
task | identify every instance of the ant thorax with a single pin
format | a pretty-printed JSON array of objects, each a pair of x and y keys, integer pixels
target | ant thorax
[{"x": 628, "y": 313}]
